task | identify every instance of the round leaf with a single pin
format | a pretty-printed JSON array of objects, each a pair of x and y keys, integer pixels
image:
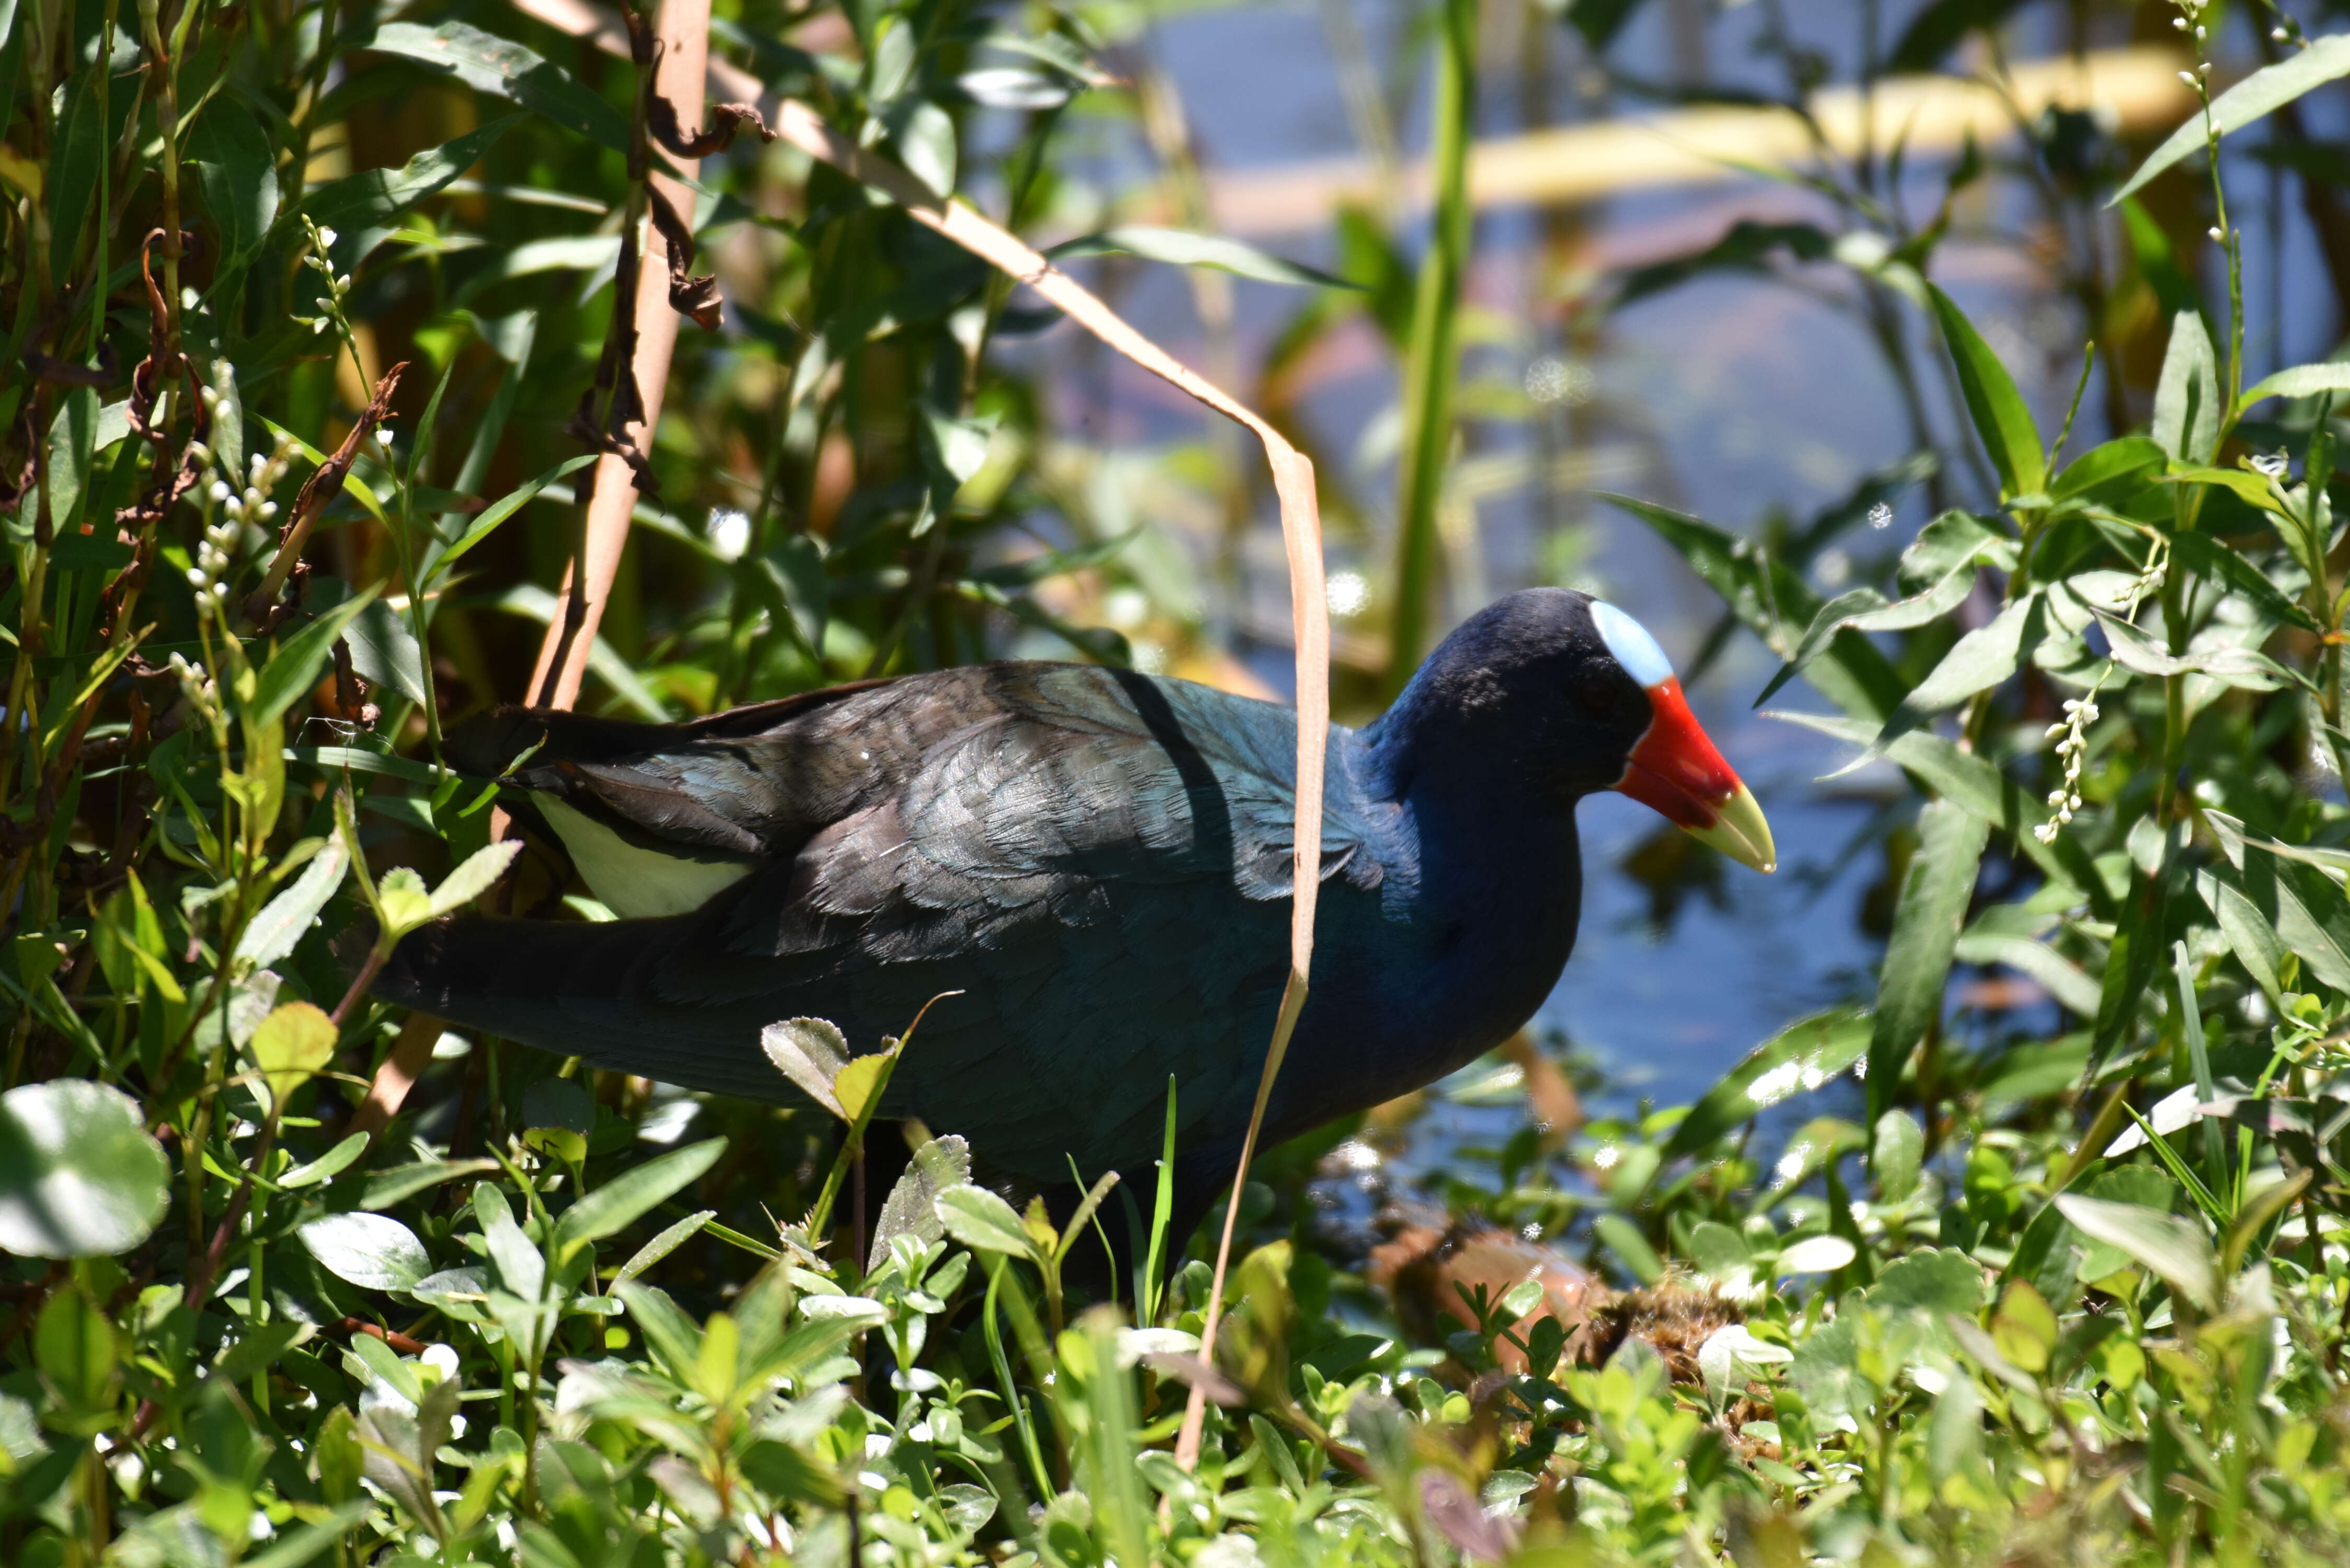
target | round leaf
[{"x": 79, "y": 1177}]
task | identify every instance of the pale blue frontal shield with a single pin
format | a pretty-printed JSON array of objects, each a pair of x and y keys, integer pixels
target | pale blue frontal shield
[{"x": 1629, "y": 641}]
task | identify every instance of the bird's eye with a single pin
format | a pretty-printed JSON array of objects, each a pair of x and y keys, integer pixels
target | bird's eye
[{"x": 1594, "y": 694}]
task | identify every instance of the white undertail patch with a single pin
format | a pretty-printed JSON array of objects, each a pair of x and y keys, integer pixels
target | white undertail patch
[{"x": 633, "y": 882}]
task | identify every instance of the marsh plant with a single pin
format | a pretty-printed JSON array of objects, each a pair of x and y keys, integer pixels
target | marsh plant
[{"x": 310, "y": 316}]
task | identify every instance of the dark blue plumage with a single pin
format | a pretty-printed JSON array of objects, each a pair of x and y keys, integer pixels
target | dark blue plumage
[{"x": 1098, "y": 860}]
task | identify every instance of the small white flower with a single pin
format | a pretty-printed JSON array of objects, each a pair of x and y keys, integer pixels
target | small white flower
[
  {"x": 729, "y": 532},
  {"x": 326, "y": 237},
  {"x": 2187, "y": 77},
  {"x": 2219, "y": 234},
  {"x": 383, "y": 435},
  {"x": 1349, "y": 594},
  {"x": 1880, "y": 516},
  {"x": 1607, "y": 1157},
  {"x": 2271, "y": 465}
]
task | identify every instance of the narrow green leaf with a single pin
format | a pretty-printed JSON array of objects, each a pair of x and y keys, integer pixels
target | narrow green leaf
[
  {"x": 1771, "y": 600},
  {"x": 376, "y": 199},
  {"x": 79, "y": 145},
  {"x": 498, "y": 510},
  {"x": 2258, "y": 95},
  {"x": 1181, "y": 247},
  {"x": 2302, "y": 381},
  {"x": 504, "y": 68},
  {"x": 285, "y": 919},
  {"x": 621, "y": 1201},
  {"x": 1801, "y": 1057},
  {"x": 662, "y": 1245},
  {"x": 1933, "y": 906},
  {"x": 237, "y": 171},
  {"x": 2002, "y": 418},
  {"x": 2187, "y": 398},
  {"x": 294, "y": 668}
]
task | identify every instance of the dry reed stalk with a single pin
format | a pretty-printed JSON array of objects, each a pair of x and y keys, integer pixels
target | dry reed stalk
[{"x": 684, "y": 30}]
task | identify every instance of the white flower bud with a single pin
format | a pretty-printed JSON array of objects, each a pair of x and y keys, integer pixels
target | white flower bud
[
  {"x": 267, "y": 510},
  {"x": 196, "y": 577},
  {"x": 219, "y": 491},
  {"x": 327, "y": 236},
  {"x": 2219, "y": 234}
]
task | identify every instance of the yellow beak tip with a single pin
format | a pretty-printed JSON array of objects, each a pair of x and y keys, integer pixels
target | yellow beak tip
[{"x": 1741, "y": 832}]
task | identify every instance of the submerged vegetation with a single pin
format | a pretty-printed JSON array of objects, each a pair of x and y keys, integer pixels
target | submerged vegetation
[{"x": 317, "y": 320}]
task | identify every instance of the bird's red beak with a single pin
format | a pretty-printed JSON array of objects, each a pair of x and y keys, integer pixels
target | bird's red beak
[{"x": 1676, "y": 772}]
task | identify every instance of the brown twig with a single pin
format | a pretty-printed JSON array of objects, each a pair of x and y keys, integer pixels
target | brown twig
[{"x": 322, "y": 487}]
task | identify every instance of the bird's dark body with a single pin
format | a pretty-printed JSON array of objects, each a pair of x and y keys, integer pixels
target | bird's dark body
[{"x": 1099, "y": 862}]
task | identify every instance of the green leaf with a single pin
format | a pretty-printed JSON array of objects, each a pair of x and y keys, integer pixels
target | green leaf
[
  {"x": 2002, "y": 418},
  {"x": 1933, "y": 906},
  {"x": 1181, "y": 247},
  {"x": 479, "y": 872},
  {"x": 374, "y": 1252},
  {"x": 669, "y": 1334},
  {"x": 2187, "y": 398},
  {"x": 79, "y": 1175},
  {"x": 295, "y": 666},
  {"x": 1936, "y": 1279},
  {"x": 1631, "y": 1249},
  {"x": 504, "y": 68},
  {"x": 2302, "y": 381},
  {"x": 983, "y": 1221},
  {"x": 860, "y": 1082},
  {"x": 1802, "y": 1056},
  {"x": 237, "y": 169},
  {"x": 1980, "y": 659},
  {"x": 74, "y": 155},
  {"x": 662, "y": 1245},
  {"x": 2251, "y": 935},
  {"x": 925, "y": 135},
  {"x": 912, "y": 1206},
  {"x": 2172, "y": 1248},
  {"x": 1866, "y": 611},
  {"x": 1974, "y": 783},
  {"x": 810, "y": 1052},
  {"x": 403, "y": 900},
  {"x": 1895, "y": 1153},
  {"x": 292, "y": 1043},
  {"x": 2260, "y": 94},
  {"x": 1769, "y": 599},
  {"x": 622, "y": 1200},
  {"x": 500, "y": 510},
  {"x": 386, "y": 1187},
  {"x": 2114, "y": 462},
  {"x": 285, "y": 919},
  {"x": 72, "y": 443},
  {"x": 377, "y": 199},
  {"x": 328, "y": 1165}
]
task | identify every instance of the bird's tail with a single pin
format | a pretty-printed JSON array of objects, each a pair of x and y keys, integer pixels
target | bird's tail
[{"x": 578, "y": 988}]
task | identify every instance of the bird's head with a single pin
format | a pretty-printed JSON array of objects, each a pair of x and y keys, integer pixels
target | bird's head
[{"x": 1576, "y": 697}]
